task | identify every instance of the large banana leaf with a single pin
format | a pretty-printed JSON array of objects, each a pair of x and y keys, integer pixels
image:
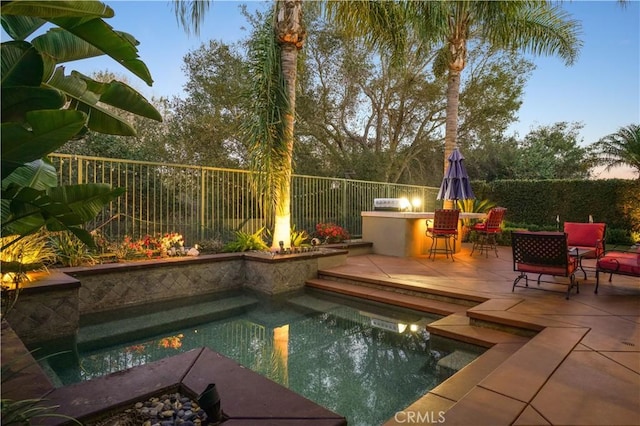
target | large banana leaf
[
  {"x": 20, "y": 27},
  {"x": 47, "y": 130},
  {"x": 101, "y": 35},
  {"x": 39, "y": 175},
  {"x": 83, "y": 19},
  {"x": 46, "y": 9},
  {"x": 18, "y": 100},
  {"x": 103, "y": 121},
  {"x": 60, "y": 208},
  {"x": 65, "y": 46},
  {"x": 99, "y": 119},
  {"x": 122, "y": 96},
  {"x": 21, "y": 64}
]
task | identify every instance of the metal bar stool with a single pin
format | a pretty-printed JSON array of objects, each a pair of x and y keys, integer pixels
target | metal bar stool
[
  {"x": 445, "y": 226},
  {"x": 488, "y": 230}
]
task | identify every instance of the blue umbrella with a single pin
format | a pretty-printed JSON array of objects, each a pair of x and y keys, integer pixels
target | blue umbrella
[{"x": 455, "y": 183}]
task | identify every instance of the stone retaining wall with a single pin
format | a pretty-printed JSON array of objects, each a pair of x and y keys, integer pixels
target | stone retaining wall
[{"x": 50, "y": 308}]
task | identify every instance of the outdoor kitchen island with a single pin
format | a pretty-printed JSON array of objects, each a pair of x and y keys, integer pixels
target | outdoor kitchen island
[{"x": 402, "y": 234}]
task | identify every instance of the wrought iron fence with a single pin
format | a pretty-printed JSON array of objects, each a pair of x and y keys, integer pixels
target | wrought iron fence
[{"x": 212, "y": 203}]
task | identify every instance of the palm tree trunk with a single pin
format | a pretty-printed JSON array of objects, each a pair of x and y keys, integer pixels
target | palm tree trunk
[
  {"x": 290, "y": 34},
  {"x": 451, "y": 124}
]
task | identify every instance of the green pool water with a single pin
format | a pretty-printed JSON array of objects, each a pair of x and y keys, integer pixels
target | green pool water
[{"x": 363, "y": 361}]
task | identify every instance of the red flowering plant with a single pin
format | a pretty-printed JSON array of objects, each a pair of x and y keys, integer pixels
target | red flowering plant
[
  {"x": 329, "y": 233},
  {"x": 147, "y": 246}
]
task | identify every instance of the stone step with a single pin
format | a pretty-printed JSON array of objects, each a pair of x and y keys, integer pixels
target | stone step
[
  {"x": 460, "y": 327},
  {"x": 416, "y": 303},
  {"x": 423, "y": 288},
  {"x": 455, "y": 323},
  {"x": 121, "y": 329}
]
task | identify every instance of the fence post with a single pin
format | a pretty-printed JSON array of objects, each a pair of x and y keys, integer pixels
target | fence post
[
  {"x": 202, "y": 200},
  {"x": 345, "y": 220},
  {"x": 80, "y": 171}
]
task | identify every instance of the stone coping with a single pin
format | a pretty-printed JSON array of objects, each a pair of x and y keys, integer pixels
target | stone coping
[
  {"x": 245, "y": 395},
  {"x": 258, "y": 256},
  {"x": 54, "y": 280}
]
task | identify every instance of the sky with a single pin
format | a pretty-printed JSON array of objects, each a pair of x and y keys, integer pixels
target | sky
[{"x": 601, "y": 90}]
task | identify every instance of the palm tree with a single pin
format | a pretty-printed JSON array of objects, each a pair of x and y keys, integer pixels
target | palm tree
[
  {"x": 619, "y": 149},
  {"x": 537, "y": 27},
  {"x": 275, "y": 49}
]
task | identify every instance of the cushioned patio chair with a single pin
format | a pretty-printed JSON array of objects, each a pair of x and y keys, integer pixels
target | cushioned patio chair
[
  {"x": 618, "y": 262},
  {"x": 585, "y": 240},
  {"x": 445, "y": 226},
  {"x": 543, "y": 253},
  {"x": 486, "y": 231}
]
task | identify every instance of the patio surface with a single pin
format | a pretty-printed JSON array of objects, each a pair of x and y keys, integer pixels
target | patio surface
[{"x": 581, "y": 367}]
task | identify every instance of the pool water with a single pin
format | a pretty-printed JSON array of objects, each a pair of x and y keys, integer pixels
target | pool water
[{"x": 363, "y": 361}]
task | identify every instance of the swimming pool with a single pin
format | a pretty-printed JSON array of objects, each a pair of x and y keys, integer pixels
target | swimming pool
[{"x": 361, "y": 360}]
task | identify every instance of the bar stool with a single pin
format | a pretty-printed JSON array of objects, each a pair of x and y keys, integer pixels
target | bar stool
[
  {"x": 488, "y": 230},
  {"x": 445, "y": 226}
]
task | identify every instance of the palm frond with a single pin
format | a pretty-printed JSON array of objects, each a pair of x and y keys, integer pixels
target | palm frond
[
  {"x": 190, "y": 14},
  {"x": 265, "y": 129}
]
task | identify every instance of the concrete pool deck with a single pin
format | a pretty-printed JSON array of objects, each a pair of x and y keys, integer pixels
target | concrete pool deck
[{"x": 581, "y": 368}]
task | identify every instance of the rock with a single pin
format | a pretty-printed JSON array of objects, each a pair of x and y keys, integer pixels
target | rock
[
  {"x": 193, "y": 252},
  {"x": 167, "y": 413}
]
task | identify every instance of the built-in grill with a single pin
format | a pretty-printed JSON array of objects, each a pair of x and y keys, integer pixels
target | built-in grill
[{"x": 391, "y": 204}]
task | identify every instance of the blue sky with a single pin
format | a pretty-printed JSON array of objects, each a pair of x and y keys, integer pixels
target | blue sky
[{"x": 601, "y": 90}]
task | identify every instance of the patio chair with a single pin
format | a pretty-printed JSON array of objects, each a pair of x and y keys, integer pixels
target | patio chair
[
  {"x": 486, "y": 231},
  {"x": 445, "y": 226},
  {"x": 543, "y": 253},
  {"x": 618, "y": 262},
  {"x": 585, "y": 240}
]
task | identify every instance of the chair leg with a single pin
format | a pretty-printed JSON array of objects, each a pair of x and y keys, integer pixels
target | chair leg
[
  {"x": 494, "y": 244},
  {"x": 479, "y": 243},
  {"x": 572, "y": 282},
  {"x": 597, "y": 281},
  {"x": 432, "y": 250}
]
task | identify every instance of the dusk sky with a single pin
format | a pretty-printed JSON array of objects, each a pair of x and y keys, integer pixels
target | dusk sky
[{"x": 601, "y": 90}]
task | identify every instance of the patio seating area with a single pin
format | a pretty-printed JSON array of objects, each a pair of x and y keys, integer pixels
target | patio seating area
[{"x": 581, "y": 367}]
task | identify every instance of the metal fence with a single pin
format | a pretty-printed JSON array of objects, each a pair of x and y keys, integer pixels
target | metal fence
[{"x": 212, "y": 203}]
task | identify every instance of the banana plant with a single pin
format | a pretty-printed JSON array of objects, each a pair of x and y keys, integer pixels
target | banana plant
[{"x": 43, "y": 107}]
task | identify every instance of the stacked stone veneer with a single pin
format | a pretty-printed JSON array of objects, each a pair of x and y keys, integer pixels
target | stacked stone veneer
[
  {"x": 47, "y": 308},
  {"x": 47, "y": 311},
  {"x": 108, "y": 287}
]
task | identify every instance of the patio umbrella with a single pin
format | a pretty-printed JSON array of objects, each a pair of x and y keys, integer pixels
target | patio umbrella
[{"x": 455, "y": 183}]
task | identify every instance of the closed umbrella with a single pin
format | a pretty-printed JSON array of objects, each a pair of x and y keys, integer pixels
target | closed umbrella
[{"x": 455, "y": 183}]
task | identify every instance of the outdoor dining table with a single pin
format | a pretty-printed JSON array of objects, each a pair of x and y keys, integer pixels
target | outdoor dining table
[{"x": 402, "y": 234}]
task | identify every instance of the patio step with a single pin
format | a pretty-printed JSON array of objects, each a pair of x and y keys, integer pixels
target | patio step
[
  {"x": 460, "y": 327},
  {"x": 422, "y": 289},
  {"x": 409, "y": 301},
  {"x": 125, "y": 329},
  {"x": 455, "y": 324}
]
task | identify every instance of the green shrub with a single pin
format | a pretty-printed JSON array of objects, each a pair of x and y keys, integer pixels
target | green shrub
[
  {"x": 246, "y": 242},
  {"x": 619, "y": 237},
  {"x": 70, "y": 251},
  {"x": 299, "y": 238}
]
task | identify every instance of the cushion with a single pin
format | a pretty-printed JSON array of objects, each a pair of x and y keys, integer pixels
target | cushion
[
  {"x": 584, "y": 234},
  {"x": 546, "y": 270},
  {"x": 623, "y": 262}
]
